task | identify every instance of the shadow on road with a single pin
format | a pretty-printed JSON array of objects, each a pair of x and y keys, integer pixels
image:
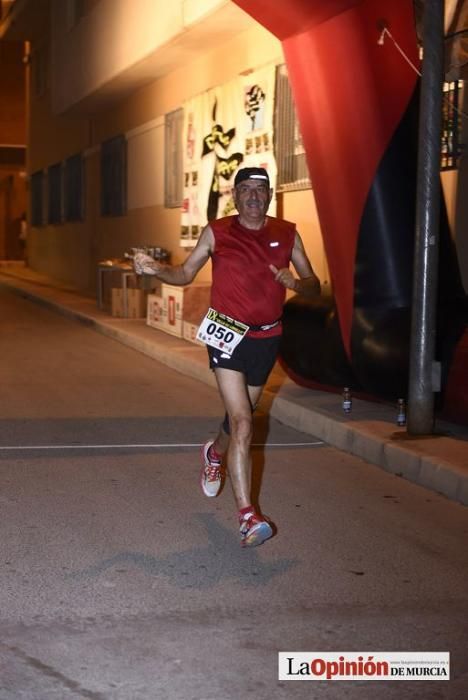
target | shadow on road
[{"x": 200, "y": 567}]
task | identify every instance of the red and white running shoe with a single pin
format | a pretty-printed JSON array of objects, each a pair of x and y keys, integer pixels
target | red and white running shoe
[
  {"x": 254, "y": 529},
  {"x": 212, "y": 473}
]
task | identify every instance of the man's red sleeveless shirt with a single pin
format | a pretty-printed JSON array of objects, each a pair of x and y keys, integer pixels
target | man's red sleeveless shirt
[{"x": 243, "y": 286}]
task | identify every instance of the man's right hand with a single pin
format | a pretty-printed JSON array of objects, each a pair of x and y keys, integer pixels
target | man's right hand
[{"x": 146, "y": 265}]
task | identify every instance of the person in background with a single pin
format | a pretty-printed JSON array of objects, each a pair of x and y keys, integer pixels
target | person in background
[
  {"x": 23, "y": 236},
  {"x": 250, "y": 253}
]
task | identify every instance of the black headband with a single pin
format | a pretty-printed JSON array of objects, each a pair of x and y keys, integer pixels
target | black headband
[{"x": 251, "y": 174}]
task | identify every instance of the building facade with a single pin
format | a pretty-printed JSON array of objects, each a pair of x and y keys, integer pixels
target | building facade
[{"x": 104, "y": 78}]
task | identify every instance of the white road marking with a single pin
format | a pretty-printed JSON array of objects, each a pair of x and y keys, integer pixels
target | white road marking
[{"x": 153, "y": 445}]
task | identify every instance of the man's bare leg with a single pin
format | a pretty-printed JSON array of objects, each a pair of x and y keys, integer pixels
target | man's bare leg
[
  {"x": 221, "y": 443},
  {"x": 238, "y": 400}
]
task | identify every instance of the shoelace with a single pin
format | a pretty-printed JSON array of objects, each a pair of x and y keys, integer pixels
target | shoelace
[
  {"x": 246, "y": 522},
  {"x": 212, "y": 473}
]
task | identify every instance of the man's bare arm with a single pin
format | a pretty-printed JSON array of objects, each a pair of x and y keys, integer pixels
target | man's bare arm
[
  {"x": 184, "y": 273},
  {"x": 308, "y": 283}
]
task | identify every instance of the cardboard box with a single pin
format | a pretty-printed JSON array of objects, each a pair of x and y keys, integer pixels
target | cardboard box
[
  {"x": 173, "y": 299},
  {"x": 117, "y": 302},
  {"x": 190, "y": 332},
  {"x": 196, "y": 302},
  {"x": 150, "y": 284},
  {"x": 154, "y": 311},
  {"x": 177, "y": 305},
  {"x": 136, "y": 303},
  {"x": 157, "y": 315},
  {"x": 195, "y": 305}
]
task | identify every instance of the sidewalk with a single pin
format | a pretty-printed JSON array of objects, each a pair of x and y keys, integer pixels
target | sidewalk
[{"x": 438, "y": 462}]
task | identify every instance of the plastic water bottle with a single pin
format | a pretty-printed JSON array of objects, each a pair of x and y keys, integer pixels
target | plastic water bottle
[
  {"x": 347, "y": 402},
  {"x": 401, "y": 415}
]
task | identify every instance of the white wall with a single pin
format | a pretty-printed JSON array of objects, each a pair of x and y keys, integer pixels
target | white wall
[
  {"x": 105, "y": 42},
  {"x": 300, "y": 208},
  {"x": 120, "y": 42},
  {"x": 145, "y": 152}
]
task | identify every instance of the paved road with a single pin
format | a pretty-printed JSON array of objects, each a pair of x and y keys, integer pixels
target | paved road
[{"x": 119, "y": 581}]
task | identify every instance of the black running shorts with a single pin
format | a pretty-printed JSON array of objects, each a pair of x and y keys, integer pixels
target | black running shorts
[{"x": 254, "y": 357}]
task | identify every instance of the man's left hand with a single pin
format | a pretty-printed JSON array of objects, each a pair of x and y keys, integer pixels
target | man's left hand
[{"x": 285, "y": 277}]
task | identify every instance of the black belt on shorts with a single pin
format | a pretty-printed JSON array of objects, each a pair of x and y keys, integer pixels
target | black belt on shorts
[{"x": 265, "y": 326}]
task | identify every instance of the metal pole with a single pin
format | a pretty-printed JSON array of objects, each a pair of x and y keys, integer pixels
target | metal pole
[{"x": 423, "y": 370}]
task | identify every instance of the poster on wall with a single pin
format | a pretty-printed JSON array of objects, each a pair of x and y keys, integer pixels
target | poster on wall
[{"x": 225, "y": 128}]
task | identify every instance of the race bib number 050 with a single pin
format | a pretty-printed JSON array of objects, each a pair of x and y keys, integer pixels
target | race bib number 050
[{"x": 221, "y": 332}]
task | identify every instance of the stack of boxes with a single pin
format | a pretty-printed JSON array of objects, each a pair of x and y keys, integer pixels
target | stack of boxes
[
  {"x": 136, "y": 300},
  {"x": 179, "y": 310},
  {"x": 169, "y": 308},
  {"x": 136, "y": 303}
]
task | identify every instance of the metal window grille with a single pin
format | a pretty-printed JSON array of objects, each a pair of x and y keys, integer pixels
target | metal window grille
[
  {"x": 74, "y": 188},
  {"x": 451, "y": 147},
  {"x": 54, "y": 192},
  {"x": 173, "y": 161},
  {"x": 37, "y": 198},
  {"x": 293, "y": 173},
  {"x": 114, "y": 177}
]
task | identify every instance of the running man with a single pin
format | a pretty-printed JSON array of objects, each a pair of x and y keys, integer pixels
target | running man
[{"x": 250, "y": 256}]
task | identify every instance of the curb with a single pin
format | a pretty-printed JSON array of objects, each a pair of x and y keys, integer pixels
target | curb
[{"x": 380, "y": 446}]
